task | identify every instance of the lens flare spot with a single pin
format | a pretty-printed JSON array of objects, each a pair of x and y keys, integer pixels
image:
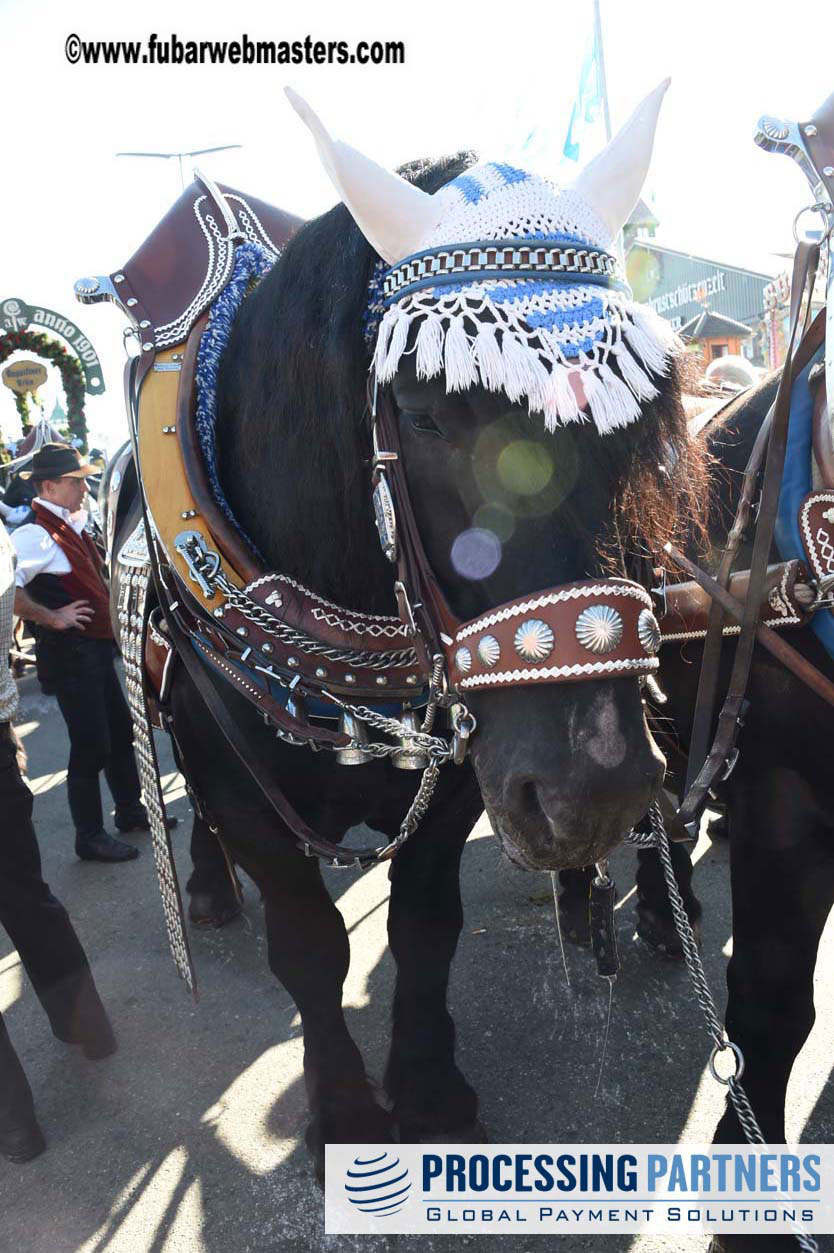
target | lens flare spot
[
  {"x": 476, "y": 553},
  {"x": 525, "y": 467},
  {"x": 495, "y": 517}
]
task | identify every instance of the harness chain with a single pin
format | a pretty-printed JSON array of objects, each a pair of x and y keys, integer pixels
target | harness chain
[
  {"x": 133, "y": 616},
  {"x": 744, "y": 1111},
  {"x": 436, "y": 747},
  {"x": 254, "y": 612}
]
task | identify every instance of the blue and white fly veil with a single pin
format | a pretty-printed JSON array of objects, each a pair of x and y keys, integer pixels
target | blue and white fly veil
[{"x": 502, "y": 279}]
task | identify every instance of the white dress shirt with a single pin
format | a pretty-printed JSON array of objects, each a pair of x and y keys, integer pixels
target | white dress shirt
[{"x": 37, "y": 551}]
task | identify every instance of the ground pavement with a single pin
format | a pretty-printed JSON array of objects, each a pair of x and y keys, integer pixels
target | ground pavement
[{"x": 188, "y": 1140}]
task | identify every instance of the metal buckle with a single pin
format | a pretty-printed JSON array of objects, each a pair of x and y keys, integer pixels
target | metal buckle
[
  {"x": 202, "y": 562},
  {"x": 729, "y": 765},
  {"x": 404, "y": 607},
  {"x": 381, "y": 457},
  {"x": 463, "y": 724},
  {"x": 384, "y": 515}
]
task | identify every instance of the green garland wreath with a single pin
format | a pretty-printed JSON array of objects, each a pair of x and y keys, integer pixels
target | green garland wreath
[{"x": 72, "y": 377}]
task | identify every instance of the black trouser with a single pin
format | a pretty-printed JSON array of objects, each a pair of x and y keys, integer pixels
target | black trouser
[
  {"x": 43, "y": 935},
  {"x": 101, "y": 735}
]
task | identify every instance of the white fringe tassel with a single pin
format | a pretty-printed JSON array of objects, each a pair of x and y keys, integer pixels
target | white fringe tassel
[
  {"x": 651, "y": 338},
  {"x": 637, "y": 378},
  {"x": 612, "y": 404},
  {"x": 514, "y": 366},
  {"x": 430, "y": 346},
  {"x": 458, "y": 358},
  {"x": 490, "y": 363},
  {"x": 396, "y": 347},
  {"x": 560, "y": 404}
]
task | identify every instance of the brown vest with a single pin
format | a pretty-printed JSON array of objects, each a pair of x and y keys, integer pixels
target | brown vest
[{"x": 85, "y": 580}]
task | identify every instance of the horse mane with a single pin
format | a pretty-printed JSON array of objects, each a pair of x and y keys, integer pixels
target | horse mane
[
  {"x": 293, "y": 429},
  {"x": 294, "y": 435}
]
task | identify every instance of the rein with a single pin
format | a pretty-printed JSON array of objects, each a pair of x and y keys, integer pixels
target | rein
[{"x": 706, "y": 767}]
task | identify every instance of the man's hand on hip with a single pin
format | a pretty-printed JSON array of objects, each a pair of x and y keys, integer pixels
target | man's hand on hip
[{"x": 78, "y": 614}]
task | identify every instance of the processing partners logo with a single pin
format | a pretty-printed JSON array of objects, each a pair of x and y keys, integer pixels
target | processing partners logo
[
  {"x": 378, "y": 1185},
  {"x": 581, "y": 1189}
]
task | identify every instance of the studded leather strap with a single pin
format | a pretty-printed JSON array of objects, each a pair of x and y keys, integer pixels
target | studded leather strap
[{"x": 589, "y": 630}]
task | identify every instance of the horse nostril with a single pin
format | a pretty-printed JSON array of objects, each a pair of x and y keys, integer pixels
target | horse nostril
[{"x": 529, "y": 798}]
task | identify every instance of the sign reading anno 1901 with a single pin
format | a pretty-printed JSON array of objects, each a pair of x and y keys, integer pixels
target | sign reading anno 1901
[{"x": 16, "y": 315}]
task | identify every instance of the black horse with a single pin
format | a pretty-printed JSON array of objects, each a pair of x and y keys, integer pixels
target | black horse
[
  {"x": 562, "y": 770},
  {"x": 779, "y": 803}
]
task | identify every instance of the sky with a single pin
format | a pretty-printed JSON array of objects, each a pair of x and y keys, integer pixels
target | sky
[{"x": 476, "y": 75}]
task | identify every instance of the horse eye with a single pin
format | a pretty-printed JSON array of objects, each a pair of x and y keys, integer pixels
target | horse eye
[{"x": 422, "y": 422}]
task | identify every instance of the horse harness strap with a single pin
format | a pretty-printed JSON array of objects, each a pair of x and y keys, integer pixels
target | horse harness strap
[{"x": 704, "y": 773}]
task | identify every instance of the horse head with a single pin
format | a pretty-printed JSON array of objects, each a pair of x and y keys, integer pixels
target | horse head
[{"x": 542, "y": 440}]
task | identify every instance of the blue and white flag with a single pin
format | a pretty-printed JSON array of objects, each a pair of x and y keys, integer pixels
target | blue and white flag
[{"x": 586, "y": 131}]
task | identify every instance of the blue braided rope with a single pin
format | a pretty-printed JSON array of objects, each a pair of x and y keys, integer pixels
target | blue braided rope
[{"x": 251, "y": 263}]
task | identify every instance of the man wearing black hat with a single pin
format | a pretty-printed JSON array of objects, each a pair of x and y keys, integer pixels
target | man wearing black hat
[{"x": 61, "y": 589}]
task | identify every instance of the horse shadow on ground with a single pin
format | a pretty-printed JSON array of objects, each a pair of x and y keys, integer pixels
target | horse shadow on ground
[{"x": 191, "y": 1136}]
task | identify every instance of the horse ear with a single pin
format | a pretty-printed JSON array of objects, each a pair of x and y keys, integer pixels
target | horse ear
[
  {"x": 612, "y": 182},
  {"x": 393, "y": 215}
]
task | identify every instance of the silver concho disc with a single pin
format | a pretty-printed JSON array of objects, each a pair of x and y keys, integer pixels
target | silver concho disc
[
  {"x": 774, "y": 128},
  {"x": 599, "y": 628},
  {"x": 489, "y": 650},
  {"x": 533, "y": 640},
  {"x": 463, "y": 660},
  {"x": 648, "y": 632}
]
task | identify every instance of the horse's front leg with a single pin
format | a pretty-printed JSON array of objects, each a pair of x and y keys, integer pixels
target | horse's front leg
[
  {"x": 782, "y": 868},
  {"x": 783, "y": 886},
  {"x": 655, "y": 920},
  {"x": 309, "y": 952},
  {"x": 431, "y": 1098}
]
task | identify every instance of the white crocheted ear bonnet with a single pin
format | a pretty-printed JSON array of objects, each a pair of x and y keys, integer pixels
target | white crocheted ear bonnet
[{"x": 507, "y": 280}]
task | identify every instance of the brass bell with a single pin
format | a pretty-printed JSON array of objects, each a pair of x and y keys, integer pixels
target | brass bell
[
  {"x": 353, "y": 754},
  {"x": 410, "y": 756}
]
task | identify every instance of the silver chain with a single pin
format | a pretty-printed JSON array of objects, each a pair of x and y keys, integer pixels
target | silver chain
[
  {"x": 437, "y": 750},
  {"x": 421, "y": 802},
  {"x": 253, "y": 612},
  {"x": 432, "y": 744},
  {"x": 721, "y": 1043}
]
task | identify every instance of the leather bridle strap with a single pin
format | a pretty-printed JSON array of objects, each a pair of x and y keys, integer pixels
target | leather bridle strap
[
  {"x": 428, "y": 609},
  {"x": 735, "y": 704},
  {"x": 260, "y": 773},
  {"x": 711, "y": 658}
]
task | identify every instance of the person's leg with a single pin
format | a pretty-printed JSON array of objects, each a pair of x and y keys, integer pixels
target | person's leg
[
  {"x": 82, "y": 699},
  {"x": 38, "y": 924},
  {"x": 21, "y": 1138},
  {"x": 120, "y": 766}
]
